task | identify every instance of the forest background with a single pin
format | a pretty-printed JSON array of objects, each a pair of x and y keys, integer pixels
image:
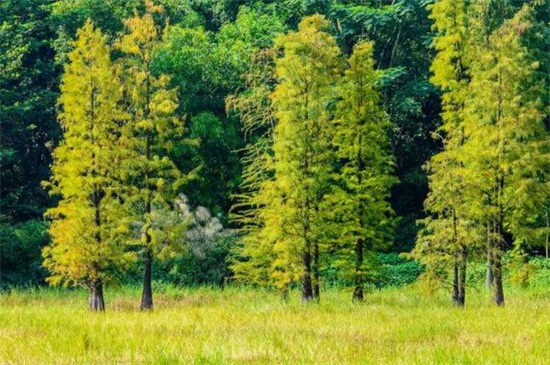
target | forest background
[{"x": 209, "y": 53}]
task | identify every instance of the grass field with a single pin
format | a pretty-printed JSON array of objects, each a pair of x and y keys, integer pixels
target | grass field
[{"x": 204, "y": 326}]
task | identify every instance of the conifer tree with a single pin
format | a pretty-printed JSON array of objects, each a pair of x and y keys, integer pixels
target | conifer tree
[
  {"x": 359, "y": 202},
  {"x": 506, "y": 142},
  {"x": 448, "y": 232},
  {"x": 256, "y": 112},
  {"x": 293, "y": 214},
  {"x": 153, "y": 129},
  {"x": 86, "y": 248}
]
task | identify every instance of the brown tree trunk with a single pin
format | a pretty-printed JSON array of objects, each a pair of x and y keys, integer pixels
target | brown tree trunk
[
  {"x": 498, "y": 248},
  {"x": 498, "y": 294},
  {"x": 489, "y": 279},
  {"x": 147, "y": 294},
  {"x": 96, "y": 301},
  {"x": 315, "y": 267},
  {"x": 455, "y": 282},
  {"x": 307, "y": 290},
  {"x": 547, "y": 232},
  {"x": 462, "y": 264},
  {"x": 358, "y": 293}
]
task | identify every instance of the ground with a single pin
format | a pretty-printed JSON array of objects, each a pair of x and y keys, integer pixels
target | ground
[{"x": 239, "y": 326}]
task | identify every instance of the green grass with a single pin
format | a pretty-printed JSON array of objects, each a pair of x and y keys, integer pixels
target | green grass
[{"x": 203, "y": 326}]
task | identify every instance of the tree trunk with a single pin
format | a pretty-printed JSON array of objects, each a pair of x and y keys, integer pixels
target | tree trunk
[
  {"x": 455, "y": 282},
  {"x": 547, "y": 232},
  {"x": 358, "y": 293},
  {"x": 463, "y": 261},
  {"x": 316, "y": 280},
  {"x": 498, "y": 248},
  {"x": 489, "y": 279},
  {"x": 96, "y": 301},
  {"x": 307, "y": 290},
  {"x": 498, "y": 294},
  {"x": 147, "y": 294}
]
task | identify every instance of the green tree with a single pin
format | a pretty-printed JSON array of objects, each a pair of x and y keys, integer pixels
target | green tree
[
  {"x": 28, "y": 92},
  {"x": 153, "y": 130},
  {"x": 257, "y": 115},
  {"x": 291, "y": 203},
  {"x": 506, "y": 145},
  {"x": 362, "y": 212},
  {"x": 86, "y": 247},
  {"x": 448, "y": 233}
]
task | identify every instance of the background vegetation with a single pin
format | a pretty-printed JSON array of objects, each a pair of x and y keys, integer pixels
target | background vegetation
[{"x": 211, "y": 54}]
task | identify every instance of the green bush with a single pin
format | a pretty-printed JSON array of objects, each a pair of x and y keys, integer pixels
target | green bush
[
  {"x": 397, "y": 271},
  {"x": 20, "y": 253}
]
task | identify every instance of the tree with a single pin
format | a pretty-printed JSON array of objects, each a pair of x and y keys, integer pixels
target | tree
[
  {"x": 506, "y": 145},
  {"x": 153, "y": 130},
  {"x": 448, "y": 233},
  {"x": 28, "y": 92},
  {"x": 360, "y": 199},
  {"x": 402, "y": 36},
  {"x": 257, "y": 115},
  {"x": 292, "y": 214},
  {"x": 85, "y": 227}
]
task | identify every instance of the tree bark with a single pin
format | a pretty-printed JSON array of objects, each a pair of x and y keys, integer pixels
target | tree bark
[
  {"x": 358, "y": 292},
  {"x": 462, "y": 264},
  {"x": 455, "y": 282},
  {"x": 489, "y": 280},
  {"x": 547, "y": 232},
  {"x": 498, "y": 248},
  {"x": 307, "y": 290},
  {"x": 315, "y": 266},
  {"x": 147, "y": 294},
  {"x": 96, "y": 301},
  {"x": 498, "y": 294}
]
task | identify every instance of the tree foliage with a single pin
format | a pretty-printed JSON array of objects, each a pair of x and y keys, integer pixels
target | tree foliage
[{"x": 85, "y": 229}]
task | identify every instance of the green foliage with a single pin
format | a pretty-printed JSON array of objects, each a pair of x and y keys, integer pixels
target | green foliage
[
  {"x": 28, "y": 92},
  {"x": 397, "y": 271},
  {"x": 20, "y": 253},
  {"x": 86, "y": 224},
  {"x": 359, "y": 206}
]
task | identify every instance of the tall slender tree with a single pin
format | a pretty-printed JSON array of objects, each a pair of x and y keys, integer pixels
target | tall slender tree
[
  {"x": 85, "y": 247},
  {"x": 359, "y": 202},
  {"x": 153, "y": 129},
  {"x": 506, "y": 142},
  {"x": 257, "y": 115},
  {"x": 293, "y": 216},
  {"x": 447, "y": 236}
]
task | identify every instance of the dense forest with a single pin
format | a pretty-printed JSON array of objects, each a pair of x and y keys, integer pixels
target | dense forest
[{"x": 280, "y": 144}]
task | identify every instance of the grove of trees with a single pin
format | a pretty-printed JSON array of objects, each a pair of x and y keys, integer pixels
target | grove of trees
[{"x": 321, "y": 135}]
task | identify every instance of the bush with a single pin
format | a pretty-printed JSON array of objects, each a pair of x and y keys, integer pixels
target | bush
[
  {"x": 397, "y": 271},
  {"x": 21, "y": 253}
]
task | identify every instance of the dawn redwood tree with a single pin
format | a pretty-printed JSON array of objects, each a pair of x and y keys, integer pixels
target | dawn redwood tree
[
  {"x": 293, "y": 215},
  {"x": 85, "y": 248},
  {"x": 153, "y": 178},
  {"x": 359, "y": 202},
  {"x": 448, "y": 232},
  {"x": 257, "y": 115},
  {"x": 506, "y": 149}
]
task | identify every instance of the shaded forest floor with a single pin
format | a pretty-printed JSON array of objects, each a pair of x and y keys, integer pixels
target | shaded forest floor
[{"x": 206, "y": 326}]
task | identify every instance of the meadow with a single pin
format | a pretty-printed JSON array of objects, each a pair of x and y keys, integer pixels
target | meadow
[{"x": 245, "y": 326}]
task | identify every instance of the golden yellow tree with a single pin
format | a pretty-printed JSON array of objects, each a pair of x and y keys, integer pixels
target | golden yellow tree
[
  {"x": 85, "y": 229},
  {"x": 153, "y": 177}
]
